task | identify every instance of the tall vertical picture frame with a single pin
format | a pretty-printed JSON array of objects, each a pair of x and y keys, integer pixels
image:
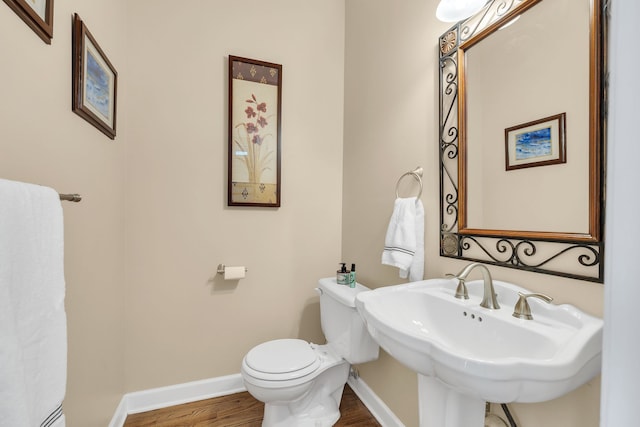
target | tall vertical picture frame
[
  {"x": 37, "y": 14},
  {"x": 95, "y": 81},
  {"x": 255, "y": 90}
]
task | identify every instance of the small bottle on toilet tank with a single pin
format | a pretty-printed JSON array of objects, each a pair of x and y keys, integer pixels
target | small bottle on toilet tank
[{"x": 352, "y": 276}]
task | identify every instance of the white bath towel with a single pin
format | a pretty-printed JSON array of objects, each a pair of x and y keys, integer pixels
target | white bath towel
[
  {"x": 33, "y": 334},
  {"x": 404, "y": 242}
]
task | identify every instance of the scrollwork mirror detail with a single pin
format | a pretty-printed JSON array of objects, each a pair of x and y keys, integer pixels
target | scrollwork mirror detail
[{"x": 568, "y": 254}]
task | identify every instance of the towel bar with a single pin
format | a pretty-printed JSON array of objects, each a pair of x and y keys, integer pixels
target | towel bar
[
  {"x": 70, "y": 197},
  {"x": 417, "y": 174}
]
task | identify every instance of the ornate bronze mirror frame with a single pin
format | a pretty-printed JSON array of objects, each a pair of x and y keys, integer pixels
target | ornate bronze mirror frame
[{"x": 555, "y": 246}]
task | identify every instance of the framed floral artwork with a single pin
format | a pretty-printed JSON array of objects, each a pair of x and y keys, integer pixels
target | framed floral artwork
[
  {"x": 37, "y": 14},
  {"x": 255, "y": 89},
  {"x": 538, "y": 143},
  {"x": 95, "y": 81}
]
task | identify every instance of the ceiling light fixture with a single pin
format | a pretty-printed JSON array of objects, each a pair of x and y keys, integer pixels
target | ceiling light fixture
[{"x": 457, "y": 10}]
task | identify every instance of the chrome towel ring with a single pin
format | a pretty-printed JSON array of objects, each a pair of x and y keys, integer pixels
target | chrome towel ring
[{"x": 417, "y": 174}]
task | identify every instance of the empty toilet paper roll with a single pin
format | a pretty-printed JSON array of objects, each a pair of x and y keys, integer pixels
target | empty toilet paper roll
[{"x": 234, "y": 273}]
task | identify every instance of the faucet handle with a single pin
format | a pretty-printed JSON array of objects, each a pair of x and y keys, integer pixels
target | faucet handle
[
  {"x": 522, "y": 310},
  {"x": 461, "y": 290}
]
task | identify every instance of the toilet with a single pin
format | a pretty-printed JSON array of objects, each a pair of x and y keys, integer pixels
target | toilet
[{"x": 301, "y": 383}]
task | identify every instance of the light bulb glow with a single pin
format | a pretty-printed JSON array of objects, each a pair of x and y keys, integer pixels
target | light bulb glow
[{"x": 457, "y": 10}]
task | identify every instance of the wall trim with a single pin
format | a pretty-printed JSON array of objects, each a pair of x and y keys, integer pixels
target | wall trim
[
  {"x": 374, "y": 404},
  {"x": 162, "y": 397},
  {"x": 120, "y": 416}
]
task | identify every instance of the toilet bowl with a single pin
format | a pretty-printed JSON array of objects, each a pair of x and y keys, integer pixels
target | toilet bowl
[{"x": 301, "y": 383}]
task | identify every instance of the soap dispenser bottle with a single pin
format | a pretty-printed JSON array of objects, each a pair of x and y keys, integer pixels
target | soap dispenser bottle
[{"x": 343, "y": 275}]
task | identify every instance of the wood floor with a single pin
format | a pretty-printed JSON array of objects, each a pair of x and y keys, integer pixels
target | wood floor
[{"x": 240, "y": 410}]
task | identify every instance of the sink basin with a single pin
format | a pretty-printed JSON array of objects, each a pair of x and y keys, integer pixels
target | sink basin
[{"x": 479, "y": 353}]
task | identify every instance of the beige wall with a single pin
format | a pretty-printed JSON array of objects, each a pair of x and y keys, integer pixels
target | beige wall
[
  {"x": 44, "y": 142},
  {"x": 145, "y": 307},
  {"x": 391, "y": 126},
  {"x": 144, "y": 304},
  {"x": 182, "y": 322}
]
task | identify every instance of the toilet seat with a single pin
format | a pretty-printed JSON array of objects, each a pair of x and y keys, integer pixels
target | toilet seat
[{"x": 281, "y": 360}]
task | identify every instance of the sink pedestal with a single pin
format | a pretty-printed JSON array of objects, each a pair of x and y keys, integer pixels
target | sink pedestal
[{"x": 441, "y": 406}]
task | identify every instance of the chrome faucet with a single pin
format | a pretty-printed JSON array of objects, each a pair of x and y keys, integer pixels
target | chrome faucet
[
  {"x": 489, "y": 300},
  {"x": 522, "y": 310}
]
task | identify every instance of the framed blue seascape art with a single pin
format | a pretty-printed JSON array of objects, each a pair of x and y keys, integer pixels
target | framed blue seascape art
[
  {"x": 37, "y": 14},
  {"x": 537, "y": 143},
  {"x": 95, "y": 81}
]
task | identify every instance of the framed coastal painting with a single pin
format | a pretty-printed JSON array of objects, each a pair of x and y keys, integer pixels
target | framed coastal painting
[
  {"x": 95, "y": 81},
  {"x": 538, "y": 143},
  {"x": 255, "y": 89},
  {"x": 37, "y": 14}
]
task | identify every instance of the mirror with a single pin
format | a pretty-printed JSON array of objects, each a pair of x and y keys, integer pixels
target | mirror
[{"x": 522, "y": 129}]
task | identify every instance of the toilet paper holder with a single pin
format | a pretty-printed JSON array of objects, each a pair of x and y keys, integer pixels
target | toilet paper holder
[{"x": 221, "y": 268}]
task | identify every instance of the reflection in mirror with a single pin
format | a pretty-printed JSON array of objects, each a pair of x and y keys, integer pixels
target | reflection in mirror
[
  {"x": 534, "y": 79},
  {"x": 521, "y": 136}
]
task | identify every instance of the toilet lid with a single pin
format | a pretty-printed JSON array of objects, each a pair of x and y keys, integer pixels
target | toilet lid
[{"x": 292, "y": 357}]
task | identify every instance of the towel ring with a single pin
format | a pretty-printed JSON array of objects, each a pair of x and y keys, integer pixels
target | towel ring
[{"x": 417, "y": 174}]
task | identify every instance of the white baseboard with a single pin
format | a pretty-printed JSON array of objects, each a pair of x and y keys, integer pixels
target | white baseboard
[
  {"x": 148, "y": 400},
  {"x": 374, "y": 404},
  {"x": 120, "y": 416},
  {"x": 162, "y": 397}
]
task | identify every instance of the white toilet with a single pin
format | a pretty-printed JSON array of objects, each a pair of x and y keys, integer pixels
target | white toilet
[{"x": 301, "y": 383}]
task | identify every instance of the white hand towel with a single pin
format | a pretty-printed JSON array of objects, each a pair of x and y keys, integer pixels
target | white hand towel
[
  {"x": 33, "y": 336},
  {"x": 404, "y": 242}
]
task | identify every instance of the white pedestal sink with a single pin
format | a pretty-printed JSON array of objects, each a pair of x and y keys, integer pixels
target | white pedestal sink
[{"x": 466, "y": 355}]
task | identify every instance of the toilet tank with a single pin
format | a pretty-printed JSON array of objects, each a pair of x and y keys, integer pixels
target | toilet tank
[{"x": 342, "y": 326}]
